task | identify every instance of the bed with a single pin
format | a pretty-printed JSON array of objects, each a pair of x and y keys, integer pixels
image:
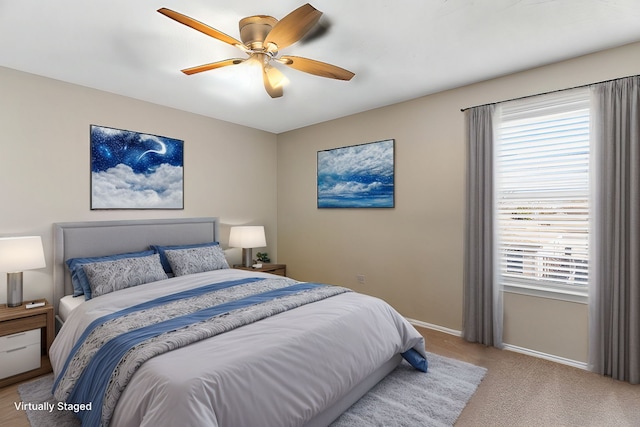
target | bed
[{"x": 322, "y": 349}]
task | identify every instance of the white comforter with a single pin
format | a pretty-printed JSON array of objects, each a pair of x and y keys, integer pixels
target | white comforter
[{"x": 280, "y": 371}]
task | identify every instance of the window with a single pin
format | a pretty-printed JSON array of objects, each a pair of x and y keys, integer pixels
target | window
[{"x": 542, "y": 195}]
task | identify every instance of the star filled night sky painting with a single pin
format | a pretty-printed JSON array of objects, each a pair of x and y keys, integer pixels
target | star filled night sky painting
[
  {"x": 359, "y": 176},
  {"x": 131, "y": 170}
]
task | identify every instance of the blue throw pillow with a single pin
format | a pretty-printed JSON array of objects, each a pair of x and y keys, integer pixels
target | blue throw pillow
[
  {"x": 163, "y": 257},
  {"x": 416, "y": 360},
  {"x": 79, "y": 278}
]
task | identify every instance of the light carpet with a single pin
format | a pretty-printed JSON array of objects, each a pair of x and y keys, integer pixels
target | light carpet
[{"x": 406, "y": 397}]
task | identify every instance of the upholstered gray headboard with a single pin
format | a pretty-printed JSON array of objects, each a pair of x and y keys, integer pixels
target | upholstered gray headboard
[{"x": 99, "y": 238}]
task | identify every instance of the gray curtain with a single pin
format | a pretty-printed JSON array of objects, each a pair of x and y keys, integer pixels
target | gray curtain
[
  {"x": 482, "y": 311},
  {"x": 614, "y": 296}
]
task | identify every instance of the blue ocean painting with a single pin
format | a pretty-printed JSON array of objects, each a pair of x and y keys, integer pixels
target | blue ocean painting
[
  {"x": 359, "y": 176},
  {"x": 132, "y": 170}
]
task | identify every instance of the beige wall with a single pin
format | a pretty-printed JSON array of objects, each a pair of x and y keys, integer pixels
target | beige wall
[
  {"x": 412, "y": 255},
  {"x": 44, "y": 164}
]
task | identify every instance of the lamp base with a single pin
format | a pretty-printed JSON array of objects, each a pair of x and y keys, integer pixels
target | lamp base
[
  {"x": 14, "y": 289},
  {"x": 246, "y": 257}
]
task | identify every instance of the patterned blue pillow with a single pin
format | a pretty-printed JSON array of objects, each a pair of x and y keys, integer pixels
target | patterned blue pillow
[
  {"x": 79, "y": 278},
  {"x": 163, "y": 258},
  {"x": 111, "y": 276},
  {"x": 196, "y": 260}
]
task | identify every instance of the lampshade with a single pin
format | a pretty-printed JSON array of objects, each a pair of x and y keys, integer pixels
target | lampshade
[
  {"x": 18, "y": 254},
  {"x": 247, "y": 237}
]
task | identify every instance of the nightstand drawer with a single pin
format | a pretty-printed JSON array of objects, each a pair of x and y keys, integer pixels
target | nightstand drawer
[
  {"x": 20, "y": 339},
  {"x": 19, "y": 353}
]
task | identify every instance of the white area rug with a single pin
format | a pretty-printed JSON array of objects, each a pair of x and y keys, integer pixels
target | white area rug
[{"x": 406, "y": 397}]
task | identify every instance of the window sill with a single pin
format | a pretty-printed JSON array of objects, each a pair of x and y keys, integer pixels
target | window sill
[{"x": 557, "y": 294}]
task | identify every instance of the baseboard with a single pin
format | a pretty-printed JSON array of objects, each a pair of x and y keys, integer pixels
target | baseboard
[
  {"x": 509, "y": 347},
  {"x": 546, "y": 356},
  {"x": 434, "y": 327}
]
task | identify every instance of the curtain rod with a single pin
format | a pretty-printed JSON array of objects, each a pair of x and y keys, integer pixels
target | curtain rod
[{"x": 547, "y": 93}]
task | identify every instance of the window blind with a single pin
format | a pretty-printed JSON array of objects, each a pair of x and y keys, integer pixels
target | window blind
[{"x": 542, "y": 192}]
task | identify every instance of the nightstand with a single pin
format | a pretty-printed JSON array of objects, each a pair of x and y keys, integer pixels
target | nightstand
[
  {"x": 279, "y": 269},
  {"x": 25, "y": 338}
]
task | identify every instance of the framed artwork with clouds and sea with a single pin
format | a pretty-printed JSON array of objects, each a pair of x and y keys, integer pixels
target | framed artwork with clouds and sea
[
  {"x": 133, "y": 170},
  {"x": 358, "y": 176}
]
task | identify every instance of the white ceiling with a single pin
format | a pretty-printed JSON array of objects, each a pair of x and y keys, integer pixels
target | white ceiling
[{"x": 398, "y": 49}]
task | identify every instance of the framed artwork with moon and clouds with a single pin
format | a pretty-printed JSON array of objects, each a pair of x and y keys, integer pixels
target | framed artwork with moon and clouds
[{"x": 133, "y": 170}]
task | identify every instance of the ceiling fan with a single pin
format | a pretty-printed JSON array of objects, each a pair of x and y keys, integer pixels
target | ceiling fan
[{"x": 262, "y": 39}]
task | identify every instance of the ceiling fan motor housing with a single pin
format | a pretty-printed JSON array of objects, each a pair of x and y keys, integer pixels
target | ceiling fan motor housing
[{"x": 254, "y": 29}]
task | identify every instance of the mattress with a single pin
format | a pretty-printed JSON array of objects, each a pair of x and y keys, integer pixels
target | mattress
[{"x": 67, "y": 304}]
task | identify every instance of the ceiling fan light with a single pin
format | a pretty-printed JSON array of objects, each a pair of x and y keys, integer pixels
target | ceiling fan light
[{"x": 280, "y": 81}]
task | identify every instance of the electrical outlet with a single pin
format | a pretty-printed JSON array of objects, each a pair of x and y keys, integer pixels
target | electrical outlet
[{"x": 361, "y": 279}]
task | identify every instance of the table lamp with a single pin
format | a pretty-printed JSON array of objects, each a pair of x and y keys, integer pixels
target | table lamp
[
  {"x": 247, "y": 238},
  {"x": 18, "y": 254}
]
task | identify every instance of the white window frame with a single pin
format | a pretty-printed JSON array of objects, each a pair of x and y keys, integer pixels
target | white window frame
[{"x": 515, "y": 112}]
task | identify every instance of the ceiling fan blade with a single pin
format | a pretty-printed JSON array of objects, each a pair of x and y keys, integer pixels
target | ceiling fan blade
[
  {"x": 273, "y": 80},
  {"x": 317, "y": 68},
  {"x": 212, "y": 66},
  {"x": 292, "y": 27},
  {"x": 203, "y": 28}
]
